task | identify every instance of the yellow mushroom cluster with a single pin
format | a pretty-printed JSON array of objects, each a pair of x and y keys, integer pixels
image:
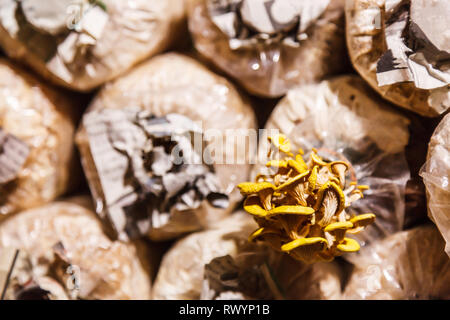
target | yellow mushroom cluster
[{"x": 301, "y": 207}]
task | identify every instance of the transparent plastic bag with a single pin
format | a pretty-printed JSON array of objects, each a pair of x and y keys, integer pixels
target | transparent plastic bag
[
  {"x": 407, "y": 265},
  {"x": 366, "y": 44},
  {"x": 43, "y": 122},
  {"x": 269, "y": 68},
  {"x": 81, "y": 44},
  {"x": 436, "y": 174},
  {"x": 343, "y": 120},
  {"x": 63, "y": 243},
  {"x": 175, "y": 84},
  {"x": 182, "y": 273},
  {"x": 263, "y": 274}
]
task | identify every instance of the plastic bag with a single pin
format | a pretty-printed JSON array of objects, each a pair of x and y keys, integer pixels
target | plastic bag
[
  {"x": 367, "y": 43},
  {"x": 343, "y": 120},
  {"x": 263, "y": 274},
  {"x": 36, "y": 142},
  {"x": 168, "y": 87},
  {"x": 306, "y": 49},
  {"x": 82, "y": 44},
  {"x": 406, "y": 265},
  {"x": 436, "y": 174},
  {"x": 190, "y": 267},
  {"x": 64, "y": 244}
]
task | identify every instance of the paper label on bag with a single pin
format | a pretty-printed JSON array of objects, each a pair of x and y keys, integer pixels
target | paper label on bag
[
  {"x": 246, "y": 22},
  {"x": 13, "y": 154},
  {"x": 417, "y": 49},
  {"x": 141, "y": 180}
]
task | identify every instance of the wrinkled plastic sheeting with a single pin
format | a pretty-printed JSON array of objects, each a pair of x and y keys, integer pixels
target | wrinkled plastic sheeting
[
  {"x": 103, "y": 269},
  {"x": 343, "y": 120},
  {"x": 407, "y": 265},
  {"x": 436, "y": 174},
  {"x": 270, "y": 70}
]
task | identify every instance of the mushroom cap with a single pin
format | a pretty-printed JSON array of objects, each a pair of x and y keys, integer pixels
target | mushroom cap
[
  {"x": 297, "y": 209},
  {"x": 338, "y": 226},
  {"x": 277, "y": 163},
  {"x": 317, "y": 160},
  {"x": 363, "y": 220},
  {"x": 321, "y": 194},
  {"x": 253, "y": 206},
  {"x": 318, "y": 242},
  {"x": 335, "y": 180},
  {"x": 261, "y": 232},
  {"x": 336, "y": 165},
  {"x": 348, "y": 245},
  {"x": 292, "y": 181},
  {"x": 281, "y": 142},
  {"x": 312, "y": 179},
  {"x": 299, "y": 167},
  {"x": 247, "y": 188}
]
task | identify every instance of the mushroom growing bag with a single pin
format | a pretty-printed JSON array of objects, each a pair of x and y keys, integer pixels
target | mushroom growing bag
[
  {"x": 407, "y": 265},
  {"x": 36, "y": 141},
  {"x": 144, "y": 143},
  {"x": 81, "y": 44},
  {"x": 343, "y": 121},
  {"x": 65, "y": 253},
  {"x": 270, "y": 46},
  {"x": 403, "y": 56},
  {"x": 220, "y": 263},
  {"x": 436, "y": 175}
]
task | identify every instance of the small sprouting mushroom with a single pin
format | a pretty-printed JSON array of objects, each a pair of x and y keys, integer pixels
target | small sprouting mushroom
[
  {"x": 253, "y": 206},
  {"x": 316, "y": 159},
  {"x": 299, "y": 160},
  {"x": 312, "y": 179},
  {"x": 361, "y": 221},
  {"x": 263, "y": 189},
  {"x": 337, "y": 230},
  {"x": 339, "y": 168},
  {"x": 348, "y": 245},
  {"x": 277, "y": 163},
  {"x": 305, "y": 249},
  {"x": 295, "y": 187},
  {"x": 354, "y": 195},
  {"x": 281, "y": 142},
  {"x": 297, "y": 166},
  {"x": 331, "y": 201}
]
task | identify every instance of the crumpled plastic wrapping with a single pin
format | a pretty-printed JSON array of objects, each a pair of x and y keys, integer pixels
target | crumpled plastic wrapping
[
  {"x": 367, "y": 43},
  {"x": 436, "y": 175},
  {"x": 344, "y": 120},
  {"x": 272, "y": 61},
  {"x": 67, "y": 253},
  {"x": 175, "y": 84},
  {"x": 80, "y": 45},
  {"x": 407, "y": 265},
  {"x": 190, "y": 270},
  {"x": 41, "y": 119}
]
